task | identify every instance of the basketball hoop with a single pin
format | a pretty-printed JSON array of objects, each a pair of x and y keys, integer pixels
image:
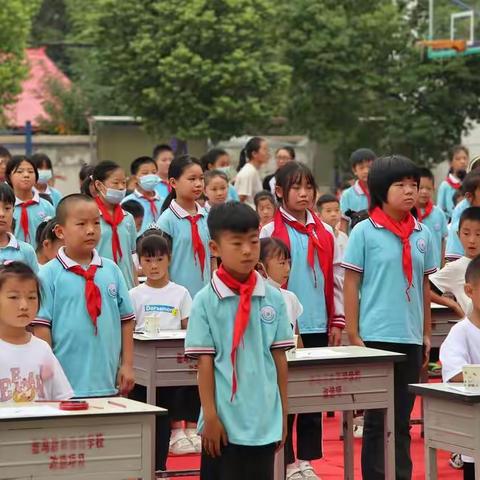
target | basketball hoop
[{"x": 457, "y": 45}]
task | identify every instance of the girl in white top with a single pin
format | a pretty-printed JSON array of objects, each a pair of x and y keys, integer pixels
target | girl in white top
[
  {"x": 161, "y": 304},
  {"x": 28, "y": 369},
  {"x": 253, "y": 157}
]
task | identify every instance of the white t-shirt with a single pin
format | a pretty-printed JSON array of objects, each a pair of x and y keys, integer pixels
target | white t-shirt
[
  {"x": 249, "y": 183},
  {"x": 341, "y": 241},
  {"x": 31, "y": 372},
  {"x": 294, "y": 307},
  {"x": 160, "y": 308},
  {"x": 451, "y": 279}
]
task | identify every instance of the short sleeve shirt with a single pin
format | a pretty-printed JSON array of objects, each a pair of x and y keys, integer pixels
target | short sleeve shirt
[
  {"x": 149, "y": 216},
  {"x": 254, "y": 416},
  {"x": 248, "y": 183},
  {"x": 353, "y": 198},
  {"x": 437, "y": 224},
  {"x": 17, "y": 250},
  {"x": 386, "y": 313}
]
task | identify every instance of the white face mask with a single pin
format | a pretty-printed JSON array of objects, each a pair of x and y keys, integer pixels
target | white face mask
[
  {"x": 44, "y": 176},
  {"x": 114, "y": 196}
]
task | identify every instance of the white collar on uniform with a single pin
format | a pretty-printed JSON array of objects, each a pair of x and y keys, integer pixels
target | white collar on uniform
[
  {"x": 67, "y": 262},
  {"x": 36, "y": 198},
  {"x": 12, "y": 242},
  {"x": 223, "y": 291},
  {"x": 310, "y": 218},
  {"x": 141, "y": 195},
  {"x": 454, "y": 179},
  {"x": 358, "y": 188},
  {"x": 180, "y": 212},
  {"x": 207, "y": 206},
  {"x": 417, "y": 227}
]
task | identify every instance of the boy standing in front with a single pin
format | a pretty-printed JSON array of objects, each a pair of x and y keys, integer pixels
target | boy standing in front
[{"x": 239, "y": 330}]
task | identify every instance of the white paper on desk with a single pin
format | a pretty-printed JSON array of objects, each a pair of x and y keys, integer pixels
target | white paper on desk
[
  {"x": 462, "y": 389},
  {"x": 320, "y": 352},
  {"x": 168, "y": 335},
  {"x": 33, "y": 411}
]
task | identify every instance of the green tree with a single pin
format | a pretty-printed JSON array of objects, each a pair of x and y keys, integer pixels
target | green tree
[
  {"x": 15, "y": 21},
  {"x": 194, "y": 67}
]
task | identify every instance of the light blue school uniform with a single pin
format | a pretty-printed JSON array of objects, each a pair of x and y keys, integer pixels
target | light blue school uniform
[
  {"x": 232, "y": 194},
  {"x": 210, "y": 332},
  {"x": 148, "y": 218},
  {"x": 128, "y": 236},
  {"x": 307, "y": 286},
  {"x": 445, "y": 196},
  {"x": 459, "y": 209},
  {"x": 353, "y": 198},
  {"x": 19, "y": 251},
  {"x": 162, "y": 189},
  {"x": 184, "y": 268},
  {"x": 437, "y": 224},
  {"x": 386, "y": 313},
  {"x": 90, "y": 361},
  {"x": 54, "y": 194},
  {"x": 454, "y": 248},
  {"x": 36, "y": 214}
]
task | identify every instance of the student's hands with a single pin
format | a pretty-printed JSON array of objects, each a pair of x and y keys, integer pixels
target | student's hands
[
  {"x": 356, "y": 340},
  {"x": 453, "y": 305},
  {"x": 284, "y": 433},
  {"x": 335, "y": 337},
  {"x": 426, "y": 350},
  {"x": 125, "y": 379},
  {"x": 214, "y": 436}
]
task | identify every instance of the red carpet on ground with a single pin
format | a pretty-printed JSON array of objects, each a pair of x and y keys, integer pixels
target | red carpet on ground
[{"x": 331, "y": 466}]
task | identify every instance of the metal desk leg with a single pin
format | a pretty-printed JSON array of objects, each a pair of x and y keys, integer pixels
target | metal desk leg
[
  {"x": 348, "y": 453},
  {"x": 477, "y": 467},
  {"x": 389, "y": 430},
  {"x": 151, "y": 388},
  {"x": 430, "y": 462},
  {"x": 279, "y": 466}
]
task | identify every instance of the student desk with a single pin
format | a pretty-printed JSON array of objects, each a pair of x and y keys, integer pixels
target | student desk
[
  {"x": 443, "y": 320},
  {"x": 451, "y": 422},
  {"x": 107, "y": 442}
]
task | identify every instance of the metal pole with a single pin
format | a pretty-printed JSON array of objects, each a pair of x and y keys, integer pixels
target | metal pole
[{"x": 28, "y": 138}]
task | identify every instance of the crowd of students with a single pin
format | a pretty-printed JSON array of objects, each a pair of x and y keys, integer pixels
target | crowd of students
[{"x": 245, "y": 268}]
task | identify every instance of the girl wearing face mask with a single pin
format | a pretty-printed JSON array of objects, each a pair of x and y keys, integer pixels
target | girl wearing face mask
[
  {"x": 144, "y": 170},
  {"x": 45, "y": 176},
  {"x": 118, "y": 232},
  {"x": 219, "y": 159}
]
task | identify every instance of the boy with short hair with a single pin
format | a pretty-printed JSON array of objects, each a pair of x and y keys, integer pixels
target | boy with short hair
[
  {"x": 136, "y": 210},
  {"x": 239, "y": 330},
  {"x": 145, "y": 171},
  {"x": 461, "y": 345},
  {"x": 163, "y": 155},
  {"x": 357, "y": 197},
  {"x": 431, "y": 215},
  {"x": 86, "y": 314},
  {"x": 451, "y": 278}
]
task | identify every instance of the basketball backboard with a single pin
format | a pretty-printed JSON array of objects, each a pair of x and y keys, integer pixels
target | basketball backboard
[{"x": 454, "y": 20}]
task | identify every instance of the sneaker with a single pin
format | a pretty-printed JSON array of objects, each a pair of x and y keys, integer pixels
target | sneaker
[
  {"x": 456, "y": 461},
  {"x": 358, "y": 431},
  {"x": 293, "y": 472},
  {"x": 180, "y": 444},
  {"x": 195, "y": 439},
  {"x": 307, "y": 471}
]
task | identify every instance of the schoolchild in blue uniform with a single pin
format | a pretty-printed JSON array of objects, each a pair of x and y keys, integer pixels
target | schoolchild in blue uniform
[
  {"x": 144, "y": 169},
  {"x": 45, "y": 175},
  {"x": 30, "y": 209},
  {"x": 186, "y": 222},
  {"x": 48, "y": 243},
  {"x": 219, "y": 159},
  {"x": 163, "y": 156},
  {"x": 471, "y": 187},
  {"x": 312, "y": 279},
  {"x": 453, "y": 182},
  {"x": 387, "y": 298},
  {"x": 216, "y": 188},
  {"x": 12, "y": 249},
  {"x": 357, "y": 197},
  {"x": 119, "y": 233},
  {"x": 86, "y": 314},
  {"x": 431, "y": 215},
  {"x": 239, "y": 331}
]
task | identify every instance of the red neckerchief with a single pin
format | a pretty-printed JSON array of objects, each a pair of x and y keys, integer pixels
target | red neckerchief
[
  {"x": 93, "y": 297},
  {"x": 428, "y": 210},
  {"x": 402, "y": 230},
  {"x": 169, "y": 187},
  {"x": 364, "y": 187},
  {"x": 242, "y": 317},
  {"x": 320, "y": 241},
  {"x": 114, "y": 222},
  {"x": 24, "y": 218},
  {"x": 453, "y": 184},
  {"x": 198, "y": 248},
  {"x": 153, "y": 207}
]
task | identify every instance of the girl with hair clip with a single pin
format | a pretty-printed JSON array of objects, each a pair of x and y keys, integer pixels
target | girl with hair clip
[
  {"x": 387, "y": 298},
  {"x": 186, "y": 222},
  {"x": 30, "y": 208},
  {"x": 48, "y": 243},
  {"x": 118, "y": 231},
  {"x": 219, "y": 159},
  {"x": 313, "y": 278},
  {"x": 282, "y": 156},
  {"x": 253, "y": 156},
  {"x": 458, "y": 166}
]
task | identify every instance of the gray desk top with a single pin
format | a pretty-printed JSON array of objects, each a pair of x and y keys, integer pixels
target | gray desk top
[{"x": 451, "y": 391}]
